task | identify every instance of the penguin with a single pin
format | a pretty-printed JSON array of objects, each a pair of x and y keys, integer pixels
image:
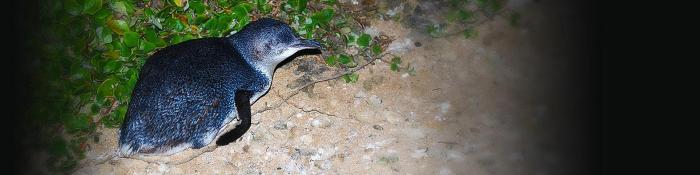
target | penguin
[{"x": 188, "y": 94}]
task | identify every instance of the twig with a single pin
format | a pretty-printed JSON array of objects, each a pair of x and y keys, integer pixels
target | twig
[{"x": 336, "y": 76}]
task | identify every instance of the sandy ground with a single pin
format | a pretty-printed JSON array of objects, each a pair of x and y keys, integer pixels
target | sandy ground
[{"x": 474, "y": 106}]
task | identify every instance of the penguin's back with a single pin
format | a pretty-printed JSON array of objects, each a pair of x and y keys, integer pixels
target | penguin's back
[{"x": 184, "y": 95}]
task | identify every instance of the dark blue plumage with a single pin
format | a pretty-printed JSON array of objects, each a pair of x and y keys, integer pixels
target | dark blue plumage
[{"x": 186, "y": 93}]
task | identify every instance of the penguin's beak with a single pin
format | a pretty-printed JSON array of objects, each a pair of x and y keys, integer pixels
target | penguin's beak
[{"x": 308, "y": 44}]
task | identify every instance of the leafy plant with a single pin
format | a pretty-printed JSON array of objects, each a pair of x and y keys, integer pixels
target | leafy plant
[{"x": 465, "y": 15}]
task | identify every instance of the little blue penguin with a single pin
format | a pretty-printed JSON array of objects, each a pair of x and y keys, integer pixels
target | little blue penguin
[{"x": 187, "y": 93}]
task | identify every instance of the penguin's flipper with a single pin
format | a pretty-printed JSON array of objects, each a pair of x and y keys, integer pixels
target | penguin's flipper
[{"x": 242, "y": 100}]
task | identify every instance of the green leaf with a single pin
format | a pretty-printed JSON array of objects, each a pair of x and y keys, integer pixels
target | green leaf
[
  {"x": 118, "y": 26},
  {"x": 179, "y": 3},
  {"x": 351, "y": 78},
  {"x": 329, "y": 2},
  {"x": 80, "y": 74},
  {"x": 104, "y": 36},
  {"x": 175, "y": 39},
  {"x": 131, "y": 39},
  {"x": 364, "y": 40},
  {"x": 469, "y": 33},
  {"x": 187, "y": 37},
  {"x": 346, "y": 60},
  {"x": 323, "y": 17},
  {"x": 298, "y": 5},
  {"x": 332, "y": 60},
  {"x": 224, "y": 22},
  {"x": 92, "y": 6},
  {"x": 111, "y": 66},
  {"x": 395, "y": 62},
  {"x": 115, "y": 119},
  {"x": 242, "y": 22},
  {"x": 122, "y": 7},
  {"x": 120, "y": 113},
  {"x": 146, "y": 46},
  {"x": 242, "y": 9},
  {"x": 240, "y": 14},
  {"x": 106, "y": 89},
  {"x": 224, "y": 3},
  {"x": 122, "y": 92},
  {"x": 435, "y": 30},
  {"x": 133, "y": 77},
  {"x": 77, "y": 123},
  {"x": 152, "y": 18},
  {"x": 152, "y": 37},
  {"x": 178, "y": 26},
  {"x": 180, "y": 38},
  {"x": 376, "y": 49},
  {"x": 72, "y": 7},
  {"x": 345, "y": 30},
  {"x": 265, "y": 9},
  {"x": 102, "y": 16},
  {"x": 211, "y": 24},
  {"x": 122, "y": 49},
  {"x": 350, "y": 38},
  {"x": 197, "y": 6},
  {"x": 460, "y": 15}
]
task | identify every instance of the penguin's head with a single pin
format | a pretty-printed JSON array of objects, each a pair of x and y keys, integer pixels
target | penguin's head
[{"x": 267, "y": 42}]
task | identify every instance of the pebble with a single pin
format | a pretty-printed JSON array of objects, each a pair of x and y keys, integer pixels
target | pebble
[
  {"x": 392, "y": 117},
  {"x": 321, "y": 122},
  {"x": 375, "y": 101},
  {"x": 280, "y": 125}
]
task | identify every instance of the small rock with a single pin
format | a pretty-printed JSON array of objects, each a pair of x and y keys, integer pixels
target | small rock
[
  {"x": 392, "y": 7},
  {"x": 419, "y": 153},
  {"x": 400, "y": 46},
  {"x": 368, "y": 116},
  {"x": 306, "y": 139},
  {"x": 444, "y": 108},
  {"x": 321, "y": 122},
  {"x": 245, "y": 148},
  {"x": 361, "y": 94},
  {"x": 325, "y": 165},
  {"x": 377, "y": 127},
  {"x": 280, "y": 125},
  {"x": 375, "y": 101},
  {"x": 323, "y": 153},
  {"x": 415, "y": 133},
  {"x": 352, "y": 50},
  {"x": 305, "y": 152},
  {"x": 372, "y": 31},
  {"x": 392, "y": 117},
  {"x": 163, "y": 168},
  {"x": 445, "y": 171}
]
